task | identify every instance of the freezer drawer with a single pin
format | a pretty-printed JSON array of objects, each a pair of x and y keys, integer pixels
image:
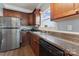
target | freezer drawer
[{"x": 10, "y": 39}]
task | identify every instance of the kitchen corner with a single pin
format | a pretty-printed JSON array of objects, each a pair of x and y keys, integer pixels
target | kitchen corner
[{"x": 39, "y": 31}]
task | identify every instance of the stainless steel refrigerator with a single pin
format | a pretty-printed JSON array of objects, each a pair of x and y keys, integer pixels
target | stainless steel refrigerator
[{"x": 9, "y": 33}]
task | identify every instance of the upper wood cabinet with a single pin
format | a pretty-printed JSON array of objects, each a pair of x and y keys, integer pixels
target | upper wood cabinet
[
  {"x": 31, "y": 20},
  {"x": 76, "y": 6},
  {"x": 37, "y": 16},
  {"x": 59, "y": 10},
  {"x": 11, "y": 13},
  {"x": 27, "y": 18}
]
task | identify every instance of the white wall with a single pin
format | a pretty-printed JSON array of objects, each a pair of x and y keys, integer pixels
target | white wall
[
  {"x": 69, "y": 24},
  {"x": 1, "y": 9}
]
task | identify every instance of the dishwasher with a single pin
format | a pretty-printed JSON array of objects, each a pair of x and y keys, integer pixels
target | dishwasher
[{"x": 47, "y": 49}]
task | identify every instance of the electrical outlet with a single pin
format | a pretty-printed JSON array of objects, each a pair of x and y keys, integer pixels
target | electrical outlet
[{"x": 69, "y": 27}]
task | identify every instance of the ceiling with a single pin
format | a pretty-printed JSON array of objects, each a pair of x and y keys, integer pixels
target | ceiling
[
  {"x": 26, "y": 7},
  {"x": 30, "y": 6}
]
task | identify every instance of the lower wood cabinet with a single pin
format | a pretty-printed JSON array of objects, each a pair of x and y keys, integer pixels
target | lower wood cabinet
[
  {"x": 35, "y": 48},
  {"x": 25, "y": 38},
  {"x": 41, "y": 47},
  {"x": 35, "y": 44}
]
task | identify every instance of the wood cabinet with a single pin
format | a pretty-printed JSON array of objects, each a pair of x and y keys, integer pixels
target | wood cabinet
[
  {"x": 24, "y": 38},
  {"x": 59, "y": 10},
  {"x": 37, "y": 16},
  {"x": 31, "y": 20},
  {"x": 41, "y": 47},
  {"x": 34, "y": 42},
  {"x": 11, "y": 13},
  {"x": 27, "y": 18},
  {"x": 76, "y": 6}
]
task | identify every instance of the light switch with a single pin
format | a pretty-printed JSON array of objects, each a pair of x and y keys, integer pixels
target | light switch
[{"x": 69, "y": 27}]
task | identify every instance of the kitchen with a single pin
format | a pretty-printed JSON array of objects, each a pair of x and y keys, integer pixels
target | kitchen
[{"x": 39, "y": 29}]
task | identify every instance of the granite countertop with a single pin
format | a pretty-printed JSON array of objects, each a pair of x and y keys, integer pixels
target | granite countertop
[{"x": 64, "y": 41}]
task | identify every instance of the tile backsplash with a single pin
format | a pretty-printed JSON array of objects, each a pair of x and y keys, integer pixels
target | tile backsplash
[{"x": 69, "y": 24}]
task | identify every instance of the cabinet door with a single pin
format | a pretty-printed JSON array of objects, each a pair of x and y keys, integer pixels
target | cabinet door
[
  {"x": 11, "y": 13},
  {"x": 35, "y": 44},
  {"x": 31, "y": 20},
  {"x": 36, "y": 49},
  {"x": 76, "y": 5},
  {"x": 25, "y": 18},
  {"x": 61, "y": 9},
  {"x": 17, "y": 14}
]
